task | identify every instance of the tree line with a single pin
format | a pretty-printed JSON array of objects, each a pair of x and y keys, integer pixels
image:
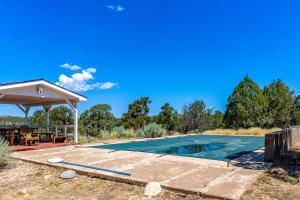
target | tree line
[
  {"x": 11, "y": 120},
  {"x": 275, "y": 105}
]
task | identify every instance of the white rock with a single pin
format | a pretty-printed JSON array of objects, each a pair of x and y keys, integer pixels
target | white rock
[
  {"x": 68, "y": 174},
  {"x": 152, "y": 189},
  {"x": 47, "y": 177},
  {"x": 55, "y": 160},
  {"x": 23, "y": 191}
]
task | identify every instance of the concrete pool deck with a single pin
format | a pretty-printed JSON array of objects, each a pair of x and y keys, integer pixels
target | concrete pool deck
[{"x": 206, "y": 178}]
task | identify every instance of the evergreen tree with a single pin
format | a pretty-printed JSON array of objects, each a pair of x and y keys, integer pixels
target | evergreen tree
[
  {"x": 246, "y": 106},
  {"x": 281, "y": 104},
  {"x": 297, "y": 101},
  {"x": 168, "y": 117},
  {"x": 137, "y": 114},
  {"x": 38, "y": 118},
  {"x": 61, "y": 115},
  {"x": 296, "y": 113},
  {"x": 97, "y": 118},
  {"x": 217, "y": 118}
]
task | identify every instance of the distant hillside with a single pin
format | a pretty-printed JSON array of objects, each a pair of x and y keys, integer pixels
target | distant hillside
[{"x": 11, "y": 120}]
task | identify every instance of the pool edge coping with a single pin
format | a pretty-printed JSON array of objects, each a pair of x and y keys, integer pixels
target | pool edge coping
[{"x": 127, "y": 180}]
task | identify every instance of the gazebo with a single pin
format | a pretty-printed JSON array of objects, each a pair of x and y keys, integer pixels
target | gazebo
[{"x": 39, "y": 92}]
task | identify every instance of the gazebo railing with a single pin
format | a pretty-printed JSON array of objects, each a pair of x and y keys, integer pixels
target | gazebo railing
[{"x": 66, "y": 130}]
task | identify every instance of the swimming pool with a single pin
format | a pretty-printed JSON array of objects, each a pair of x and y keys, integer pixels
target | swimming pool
[{"x": 216, "y": 147}]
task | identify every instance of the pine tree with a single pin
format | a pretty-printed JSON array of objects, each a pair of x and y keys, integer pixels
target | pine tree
[
  {"x": 137, "y": 114},
  {"x": 281, "y": 104},
  {"x": 168, "y": 117},
  {"x": 246, "y": 106}
]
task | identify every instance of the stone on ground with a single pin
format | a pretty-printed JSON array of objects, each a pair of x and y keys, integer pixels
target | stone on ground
[
  {"x": 68, "y": 174},
  {"x": 47, "y": 177},
  {"x": 278, "y": 171},
  {"x": 152, "y": 189}
]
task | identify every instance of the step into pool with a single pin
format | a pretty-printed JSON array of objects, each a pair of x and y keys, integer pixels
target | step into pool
[{"x": 216, "y": 147}]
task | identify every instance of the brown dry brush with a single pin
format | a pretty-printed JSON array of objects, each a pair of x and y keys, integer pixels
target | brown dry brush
[{"x": 250, "y": 131}]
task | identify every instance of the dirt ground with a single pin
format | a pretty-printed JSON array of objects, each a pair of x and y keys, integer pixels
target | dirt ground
[{"x": 31, "y": 181}]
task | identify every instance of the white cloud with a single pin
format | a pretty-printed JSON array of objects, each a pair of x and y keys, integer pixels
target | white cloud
[
  {"x": 71, "y": 67},
  {"x": 83, "y": 81},
  {"x": 117, "y": 8},
  {"x": 91, "y": 70},
  {"x": 108, "y": 85}
]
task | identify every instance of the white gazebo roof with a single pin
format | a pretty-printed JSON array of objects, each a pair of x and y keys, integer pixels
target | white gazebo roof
[{"x": 37, "y": 92}]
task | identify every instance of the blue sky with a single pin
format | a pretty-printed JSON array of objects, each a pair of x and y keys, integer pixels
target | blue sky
[{"x": 172, "y": 51}]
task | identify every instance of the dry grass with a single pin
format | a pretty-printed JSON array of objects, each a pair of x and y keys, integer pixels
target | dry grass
[
  {"x": 251, "y": 131},
  {"x": 269, "y": 187}
]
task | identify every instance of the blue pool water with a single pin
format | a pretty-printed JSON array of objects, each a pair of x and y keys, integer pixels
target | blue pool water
[{"x": 216, "y": 147}]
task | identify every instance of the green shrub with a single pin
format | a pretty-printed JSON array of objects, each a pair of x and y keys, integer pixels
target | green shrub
[
  {"x": 153, "y": 130},
  {"x": 82, "y": 139},
  {"x": 140, "y": 133},
  {"x": 105, "y": 134},
  {"x": 120, "y": 132},
  {"x": 130, "y": 133},
  {"x": 150, "y": 131},
  {"x": 5, "y": 149}
]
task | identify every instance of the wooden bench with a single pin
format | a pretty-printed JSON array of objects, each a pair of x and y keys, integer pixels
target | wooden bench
[
  {"x": 59, "y": 139},
  {"x": 29, "y": 137}
]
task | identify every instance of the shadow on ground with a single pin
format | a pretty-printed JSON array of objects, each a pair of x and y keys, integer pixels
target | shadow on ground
[
  {"x": 7, "y": 163},
  {"x": 249, "y": 160}
]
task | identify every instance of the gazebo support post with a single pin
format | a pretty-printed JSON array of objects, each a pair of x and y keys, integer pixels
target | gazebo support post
[
  {"x": 47, "y": 111},
  {"x": 75, "y": 112},
  {"x": 76, "y": 124},
  {"x": 25, "y": 109}
]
